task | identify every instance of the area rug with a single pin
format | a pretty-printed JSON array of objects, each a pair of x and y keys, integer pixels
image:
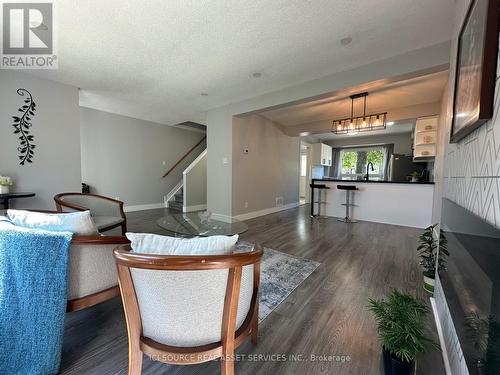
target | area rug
[{"x": 280, "y": 275}]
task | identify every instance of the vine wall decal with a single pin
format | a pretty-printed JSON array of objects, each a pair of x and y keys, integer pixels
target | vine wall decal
[{"x": 22, "y": 127}]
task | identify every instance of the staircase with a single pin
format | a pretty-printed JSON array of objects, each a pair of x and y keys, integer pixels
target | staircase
[
  {"x": 193, "y": 180},
  {"x": 177, "y": 202}
]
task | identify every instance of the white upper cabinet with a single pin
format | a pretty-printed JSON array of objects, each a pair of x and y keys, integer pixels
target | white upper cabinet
[
  {"x": 425, "y": 138},
  {"x": 322, "y": 154}
]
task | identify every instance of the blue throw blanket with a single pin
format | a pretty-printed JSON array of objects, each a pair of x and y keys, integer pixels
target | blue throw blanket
[{"x": 33, "y": 277}]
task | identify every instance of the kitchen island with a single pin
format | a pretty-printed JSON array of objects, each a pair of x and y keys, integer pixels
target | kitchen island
[{"x": 388, "y": 202}]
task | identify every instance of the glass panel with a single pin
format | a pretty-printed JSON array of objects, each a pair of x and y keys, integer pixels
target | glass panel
[
  {"x": 201, "y": 224},
  {"x": 471, "y": 284},
  {"x": 353, "y": 162}
]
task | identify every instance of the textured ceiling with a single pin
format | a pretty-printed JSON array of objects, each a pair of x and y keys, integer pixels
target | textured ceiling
[
  {"x": 424, "y": 89},
  {"x": 152, "y": 59}
]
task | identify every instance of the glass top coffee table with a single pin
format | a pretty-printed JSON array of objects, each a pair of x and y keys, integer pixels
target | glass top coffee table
[{"x": 200, "y": 224}]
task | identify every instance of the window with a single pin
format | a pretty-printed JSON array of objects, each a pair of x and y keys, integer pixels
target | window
[
  {"x": 353, "y": 162},
  {"x": 303, "y": 165}
]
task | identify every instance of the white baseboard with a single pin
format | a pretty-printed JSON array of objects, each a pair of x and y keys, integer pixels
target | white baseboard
[
  {"x": 442, "y": 344},
  {"x": 194, "y": 208},
  {"x": 267, "y": 211},
  {"x": 141, "y": 207},
  {"x": 223, "y": 218}
]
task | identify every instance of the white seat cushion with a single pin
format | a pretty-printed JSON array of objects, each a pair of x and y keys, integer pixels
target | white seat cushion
[
  {"x": 155, "y": 244},
  {"x": 79, "y": 223}
]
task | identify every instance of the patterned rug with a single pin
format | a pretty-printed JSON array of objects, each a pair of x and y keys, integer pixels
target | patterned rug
[{"x": 280, "y": 274}]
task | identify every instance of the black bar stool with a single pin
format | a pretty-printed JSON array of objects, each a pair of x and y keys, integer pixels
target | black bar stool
[
  {"x": 349, "y": 190},
  {"x": 321, "y": 200}
]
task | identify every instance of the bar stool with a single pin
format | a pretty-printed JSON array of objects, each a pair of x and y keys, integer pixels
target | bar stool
[
  {"x": 349, "y": 189},
  {"x": 321, "y": 200}
]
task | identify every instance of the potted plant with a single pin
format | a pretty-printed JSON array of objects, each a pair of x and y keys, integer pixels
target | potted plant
[
  {"x": 415, "y": 176},
  {"x": 5, "y": 183},
  {"x": 428, "y": 254},
  {"x": 402, "y": 329}
]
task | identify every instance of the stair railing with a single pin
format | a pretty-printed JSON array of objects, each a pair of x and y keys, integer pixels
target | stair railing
[{"x": 184, "y": 156}]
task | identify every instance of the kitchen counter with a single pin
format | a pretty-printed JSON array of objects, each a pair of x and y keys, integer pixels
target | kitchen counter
[
  {"x": 332, "y": 179},
  {"x": 389, "y": 202}
]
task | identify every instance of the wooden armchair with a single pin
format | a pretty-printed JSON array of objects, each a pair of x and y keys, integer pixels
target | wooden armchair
[
  {"x": 92, "y": 276},
  {"x": 107, "y": 213},
  {"x": 188, "y": 309}
]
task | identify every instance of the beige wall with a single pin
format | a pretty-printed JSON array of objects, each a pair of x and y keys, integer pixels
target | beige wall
[
  {"x": 219, "y": 161},
  {"x": 269, "y": 170},
  {"x": 195, "y": 184},
  {"x": 442, "y": 140},
  {"x": 123, "y": 157},
  {"x": 56, "y": 131}
]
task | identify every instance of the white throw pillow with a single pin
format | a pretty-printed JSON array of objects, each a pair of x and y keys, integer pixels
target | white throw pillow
[
  {"x": 155, "y": 244},
  {"x": 79, "y": 223}
]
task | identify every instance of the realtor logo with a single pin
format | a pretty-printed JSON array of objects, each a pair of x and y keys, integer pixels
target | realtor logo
[{"x": 28, "y": 36}]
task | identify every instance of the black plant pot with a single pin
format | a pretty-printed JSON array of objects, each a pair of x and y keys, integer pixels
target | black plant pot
[{"x": 393, "y": 366}]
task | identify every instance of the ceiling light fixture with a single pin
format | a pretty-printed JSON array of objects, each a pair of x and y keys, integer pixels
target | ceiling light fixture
[
  {"x": 256, "y": 75},
  {"x": 203, "y": 94},
  {"x": 374, "y": 121}
]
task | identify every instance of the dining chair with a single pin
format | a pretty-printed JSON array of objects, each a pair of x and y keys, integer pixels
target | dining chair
[{"x": 188, "y": 309}]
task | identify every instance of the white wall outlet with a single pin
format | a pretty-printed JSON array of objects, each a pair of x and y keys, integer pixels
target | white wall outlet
[
  {"x": 225, "y": 160},
  {"x": 164, "y": 162},
  {"x": 246, "y": 150},
  {"x": 246, "y": 204}
]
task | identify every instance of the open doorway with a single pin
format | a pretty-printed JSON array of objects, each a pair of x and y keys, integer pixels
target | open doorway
[{"x": 305, "y": 172}]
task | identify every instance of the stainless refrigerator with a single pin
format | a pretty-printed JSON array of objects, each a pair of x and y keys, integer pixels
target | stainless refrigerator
[{"x": 401, "y": 166}]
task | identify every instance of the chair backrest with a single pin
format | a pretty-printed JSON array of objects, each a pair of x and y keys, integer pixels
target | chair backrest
[
  {"x": 95, "y": 203},
  {"x": 185, "y": 301},
  {"x": 91, "y": 267}
]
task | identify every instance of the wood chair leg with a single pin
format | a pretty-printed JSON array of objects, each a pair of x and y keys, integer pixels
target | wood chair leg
[
  {"x": 124, "y": 228},
  {"x": 227, "y": 365},
  {"x": 134, "y": 362},
  {"x": 255, "y": 329}
]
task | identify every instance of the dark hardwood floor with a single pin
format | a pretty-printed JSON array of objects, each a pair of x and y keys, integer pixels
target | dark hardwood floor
[{"x": 324, "y": 316}]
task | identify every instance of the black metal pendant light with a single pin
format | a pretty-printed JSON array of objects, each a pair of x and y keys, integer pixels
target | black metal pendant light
[{"x": 374, "y": 121}]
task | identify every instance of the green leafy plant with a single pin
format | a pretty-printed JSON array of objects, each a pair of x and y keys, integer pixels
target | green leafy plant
[
  {"x": 349, "y": 160},
  {"x": 402, "y": 325},
  {"x": 5, "y": 181},
  {"x": 428, "y": 251},
  {"x": 375, "y": 156}
]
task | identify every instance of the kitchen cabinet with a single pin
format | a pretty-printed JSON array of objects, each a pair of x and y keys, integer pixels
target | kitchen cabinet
[
  {"x": 322, "y": 155},
  {"x": 425, "y": 139}
]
